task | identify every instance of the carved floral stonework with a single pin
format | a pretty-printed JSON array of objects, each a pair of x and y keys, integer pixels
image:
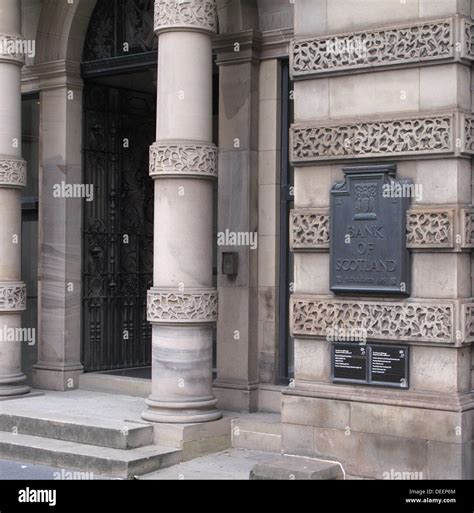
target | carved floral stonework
[
  {"x": 12, "y": 296},
  {"x": 170, "y": 307},
  {"x": 191, "y": 14},
  {"x": 372, "y": 138},
  {"x": 468, "y": 136},
  {"x": 430, "y": 228},
  {"x": 309, "y": 229},
  {"x": 13, "y": 49},
  {"x": 183, "y": 159},
  {"x": 12, "y": 172},
  {"x": 414, "y": 43},
  {"x": 468, "y": 316},
  {"x": 408, "y": 321},
  {"x": 467, "y": 220}
]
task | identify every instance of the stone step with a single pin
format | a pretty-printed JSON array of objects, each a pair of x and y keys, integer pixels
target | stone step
[
  {"x": 257, "y": 432},
  {"x": 103, "y": 432},
  {"x": 294, "y": 468},
  {"x": 103, "y": 461}
]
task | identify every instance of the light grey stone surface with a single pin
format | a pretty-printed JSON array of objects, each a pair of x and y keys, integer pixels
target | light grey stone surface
[{"x": 296, "y": 469}]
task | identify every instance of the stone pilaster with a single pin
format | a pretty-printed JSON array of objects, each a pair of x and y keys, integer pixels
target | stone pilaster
[
  {"x": 182, "y": 305},
  {"x": 12, "y": 179},
  {"x": 60, "y": 220}
]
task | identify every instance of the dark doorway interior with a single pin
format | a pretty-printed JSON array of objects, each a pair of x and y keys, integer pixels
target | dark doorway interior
[{"x": 119, "y": 127}]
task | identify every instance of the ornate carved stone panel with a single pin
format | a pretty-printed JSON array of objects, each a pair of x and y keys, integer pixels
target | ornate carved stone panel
[
  {"x": 183, "y": 159},
  {"x": 12, "y": 172},
  {"x": 430, "y": 228},
  {"x": 396, "y": 137},
  {"x": 309, "y": 229},
  {"x": 396, "y": 45},
  {"x": 313, "y": 316},
  {"x": 13, "y": 49},
  {"x": 172, "y": 307},
  {"x": 189, "y": 14},
  {"x": 468, "y": 318},
  {"x": 468, "y": 134},
  {"x": 12, "y": 296},
  {"x": 467, "y": 221}
]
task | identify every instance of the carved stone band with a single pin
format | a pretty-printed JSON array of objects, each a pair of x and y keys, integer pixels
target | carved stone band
[
  {"x": 198, "y": 15},
  {"x": 195, "y": 306},
  {"x": 397, "y": 45},
  {"x": 12, "y": 49},
  {"x": 450, "y": 134},
  {"x": 309, "y": 229},
  {"x": 445, "y": 322},
  {"x": 428, "y": 229},
  {"x": 183, "y": 159},
  {"x": 12, "y": 172},
  {"x": 12, "y": 296}
]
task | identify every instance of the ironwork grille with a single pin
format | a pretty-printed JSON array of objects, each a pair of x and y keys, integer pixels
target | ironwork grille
[{"x": 119, "y": 126}]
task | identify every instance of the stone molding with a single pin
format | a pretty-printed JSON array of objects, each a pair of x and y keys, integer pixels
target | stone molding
[
  {"x": 420, "y": 43},
  {"x": 198, "y": 15},
  {"x": 428, "y": 228},
  {"x": 183, "y": 159},
  {"x": 443, "y": 322},
  {"x": 8, "y": 41},
  {"x": 12, "y": 296},
  {"x": 416, "y": 135},
  {"x": 169, "y": 306},
  {"x": 12, "y": 171},
  {"x": 309, "y": 229}
]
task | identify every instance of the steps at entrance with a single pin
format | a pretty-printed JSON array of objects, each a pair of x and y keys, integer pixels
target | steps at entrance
[
  {"x": 257, "y": 432},
  {"x": 102, "y": 432},
  {"x": 103, "y": 461}
]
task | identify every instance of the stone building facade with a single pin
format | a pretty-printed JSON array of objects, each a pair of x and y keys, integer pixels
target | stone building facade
[{"x": 212, "y": 134}]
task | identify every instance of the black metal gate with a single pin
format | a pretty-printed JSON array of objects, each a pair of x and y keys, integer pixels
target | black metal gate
[{"x": 119, "y": 126}]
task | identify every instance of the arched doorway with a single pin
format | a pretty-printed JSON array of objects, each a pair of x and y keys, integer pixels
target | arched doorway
[{"x": 118, "y": 69}]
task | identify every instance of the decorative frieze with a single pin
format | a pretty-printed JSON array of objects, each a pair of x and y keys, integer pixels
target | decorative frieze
[
  {"x": 309, "y": 229},
  {"x": 313, "y": 316},
  {"x": 12, "y": 296},
  {"x": 165, "y": 306},
  {"x": 12, "y": 172},
  {"x": 468, "y": 319},
  {"x": 400, "y": 45},
  {"x": 430, "y": 228},
  {"x": 185, "y": 14},
  {"x": 395, "y": 137},
  {"x": 184, "y": 159}
]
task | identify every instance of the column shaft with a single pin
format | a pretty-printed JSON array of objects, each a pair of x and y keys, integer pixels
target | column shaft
[
  {"x": 182, "y": 305},
  {"x": 12, "y": 179}
]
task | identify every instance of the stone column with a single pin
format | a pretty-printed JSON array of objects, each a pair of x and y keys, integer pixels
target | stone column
[
  {"x": 12, "y": 179},
  {"x": 182, "y": 305}
]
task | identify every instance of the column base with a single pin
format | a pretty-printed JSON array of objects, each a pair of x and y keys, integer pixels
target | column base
[
  {"x": 13, "y": 385},
  {"x": 56, "y": 379},
  {"x": 181, "y": 412}
]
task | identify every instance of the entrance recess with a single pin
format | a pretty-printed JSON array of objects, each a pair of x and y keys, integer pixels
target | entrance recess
[{"x": 119, "y": 126}]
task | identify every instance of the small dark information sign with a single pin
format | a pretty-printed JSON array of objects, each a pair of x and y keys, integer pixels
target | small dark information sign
[
  {"x": 368, "y": 232},
  {"x": 371, "y": 364},
  {"x": 350, "y": 362}
]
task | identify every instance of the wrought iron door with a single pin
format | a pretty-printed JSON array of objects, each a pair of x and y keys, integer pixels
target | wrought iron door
[{"x": 119, "y": 126}]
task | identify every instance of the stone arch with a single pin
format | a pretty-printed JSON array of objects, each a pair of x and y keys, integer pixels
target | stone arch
[
  {"x": 62, "y": 30},
  {"x": 237, "y": 15}
]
